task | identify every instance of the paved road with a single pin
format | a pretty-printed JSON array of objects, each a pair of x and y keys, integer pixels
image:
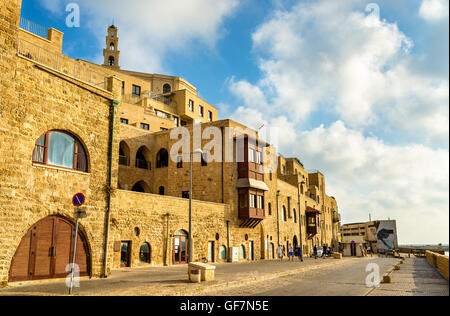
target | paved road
[
  {"x": 319, "y": 277},
  {"x": 415, "y": 278},
  {"x": 348, "y": 279},
  {"x": 166, "y": 280}
]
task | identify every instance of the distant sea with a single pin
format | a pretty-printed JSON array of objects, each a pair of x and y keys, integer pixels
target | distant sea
[{"x": 424, "y": 245}]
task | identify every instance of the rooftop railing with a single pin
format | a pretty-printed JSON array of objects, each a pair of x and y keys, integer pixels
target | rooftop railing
[
  {"x": 133, "y": 99},
  {"x": 61, "y": 64},
  {"x": 34, "y": 28}
]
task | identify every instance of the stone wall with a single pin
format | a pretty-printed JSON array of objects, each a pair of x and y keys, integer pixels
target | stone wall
[
  {"x": 34, "y": 100},
  {"x": 157, "y": 218},
  {"x": 440, "y": 262}
]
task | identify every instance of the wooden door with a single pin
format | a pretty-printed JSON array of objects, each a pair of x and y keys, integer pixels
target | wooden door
[
  {"x": 125, "y": 252},
  {"x": 211, "y": 251},
  {"x": 179, "y": 250},
  {"x": 47, "y": 249}
]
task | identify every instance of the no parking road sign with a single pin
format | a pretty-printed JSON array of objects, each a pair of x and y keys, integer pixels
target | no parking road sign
[{"x": 78, "y": 199}]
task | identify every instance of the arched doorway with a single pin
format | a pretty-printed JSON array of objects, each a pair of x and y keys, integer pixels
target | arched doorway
[
  {"x": 47, "y": 249},
  {"x": 295, "y": 245},
  {"x": 180, "y": 247},
  {"x": 141, "y": 187}
]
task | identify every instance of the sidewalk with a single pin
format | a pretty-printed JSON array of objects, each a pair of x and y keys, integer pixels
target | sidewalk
[
  {"x": 172, "y": 281},
  {"x": 416, "y": 277}
]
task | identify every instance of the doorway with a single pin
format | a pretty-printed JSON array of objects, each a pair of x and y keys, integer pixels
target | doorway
[
  {"x": 353, "y": 249},
  {"x": 47, "y": 249},
  {"x": 125, "y": 254},
  {"x": 250, "y": 251},
  {"x": 211, "y": 251},
  {"x": 180, "y": 246}
]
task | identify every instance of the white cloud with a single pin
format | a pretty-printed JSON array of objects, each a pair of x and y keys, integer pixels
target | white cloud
[
  {"x": 329, "y": 56},
  {"x": 150, "y": 29},
  {"x": 54, "y": 6},
  {"x": 434, "y": 10},
  {"x": 407, "y": 183}
]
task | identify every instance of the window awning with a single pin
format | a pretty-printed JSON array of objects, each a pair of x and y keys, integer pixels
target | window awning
[
  {"x": 311, "y": 210},
  {"x": 252, "y": 183}
]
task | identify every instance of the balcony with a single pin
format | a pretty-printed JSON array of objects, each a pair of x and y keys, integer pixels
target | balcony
[
  {"x": 248, "y": 212},
  {"x": 33, "y": 28},
  {"x": 312, "y": 229},
  {"x": 151, "y": 96},
  {"x": 124, "y": 161},
  {"x": 251, "y": 217},
  {"x": 337, "y": 218},
  {"x": 143, "y": 164}
]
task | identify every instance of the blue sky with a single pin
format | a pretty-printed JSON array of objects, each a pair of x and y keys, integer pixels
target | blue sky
[{"x": 362, "y": 98}]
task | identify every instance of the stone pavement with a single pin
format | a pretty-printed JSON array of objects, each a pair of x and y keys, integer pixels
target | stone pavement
[
  {"x": 416, "y": 277},
  {"x": 172, "y": 281}
]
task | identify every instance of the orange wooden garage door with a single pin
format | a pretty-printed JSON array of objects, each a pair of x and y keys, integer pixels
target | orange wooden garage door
[{"x": 47, "y": 249}]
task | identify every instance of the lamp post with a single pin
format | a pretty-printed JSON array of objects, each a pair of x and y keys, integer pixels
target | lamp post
[
  {"x": 198, "y": 151},
  {"x": 300, "y": 220}
]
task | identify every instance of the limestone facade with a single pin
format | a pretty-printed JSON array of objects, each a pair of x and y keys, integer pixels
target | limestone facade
[{"x": 125, "y": 227}]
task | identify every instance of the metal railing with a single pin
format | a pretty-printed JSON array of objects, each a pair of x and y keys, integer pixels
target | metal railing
[
  {"x": 133, "y": 99},
  {"x": 143, "y": 164},
  {"x": 61, "y": 64},
  {"x": 34, "y": 28},
  {"x": 124, "y": 161}
]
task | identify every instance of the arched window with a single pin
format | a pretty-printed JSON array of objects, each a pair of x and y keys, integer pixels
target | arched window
[
  {"x": 242, "y": 252},
  {"x": 181, "y": 232},
  {"x": 124, "y": 154},
  {"x": 283, "y": 214},
  {"x": 145, "y": 253},
  {"x": 60, "y": 149},
  {"x": 223, "y": 253},
  {"x": 162, "y": 159},
  {"x": 294, "y": 216},
  {"x": 167, "y": 88},
  {"x": 141, "y": 187},
  {"x": 111, "y": 46},
  {"x": 162, "y": 190},
  {"x": 142, "y": 158},
  {"x": 111, "y": 61}
]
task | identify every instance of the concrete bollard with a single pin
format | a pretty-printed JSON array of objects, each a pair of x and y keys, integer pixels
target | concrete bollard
[
  {"x": 195, "y": 276},
  {"x": 387, "y": 279}
]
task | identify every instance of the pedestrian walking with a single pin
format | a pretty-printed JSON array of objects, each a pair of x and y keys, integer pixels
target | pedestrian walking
[
  {"x": 280, "y": 253},
  {"x": 324, "y": 251},
  {"x": 299, "y": 253},
  {"x": 315, "y": 252},
  {"x": 291, "y": 253}
]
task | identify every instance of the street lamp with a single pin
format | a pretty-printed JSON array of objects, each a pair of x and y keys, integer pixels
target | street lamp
[
  {"x": 198, "y": 151},
  {"x": 300, "y": 220}
]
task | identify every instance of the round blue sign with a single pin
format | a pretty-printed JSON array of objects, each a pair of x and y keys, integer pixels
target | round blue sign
[{"x": 78, "y": 199}]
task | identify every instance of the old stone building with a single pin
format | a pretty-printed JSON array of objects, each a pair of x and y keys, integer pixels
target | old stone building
[{"x": 69, "y": 126}]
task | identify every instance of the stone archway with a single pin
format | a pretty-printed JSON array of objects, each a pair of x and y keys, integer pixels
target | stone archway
[{"x": 47, "y": 249}]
